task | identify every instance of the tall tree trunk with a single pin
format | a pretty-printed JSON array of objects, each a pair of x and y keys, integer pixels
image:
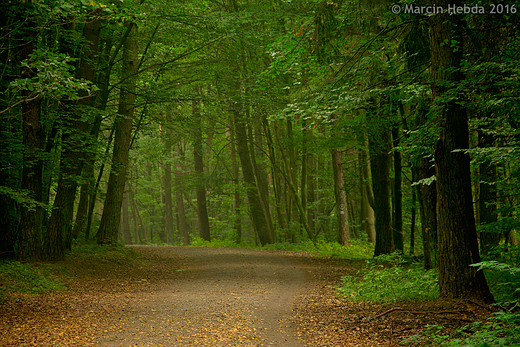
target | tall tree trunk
[
  {"x": 255, "y": 206},
  {"x": 457, "y": 235},
  {"x": 261, "y": 176},
  {"x": 112, "y": 208},
  {"x": 236, "y": 195},
  {"x": 413, "y": 221},
  {"x": 182, "y": 222},
  {"x": 427, "y": 194},
  {"x": 397, "y": 206},
  {"x": 31, "y": 218},
  {"x": 278, "y": 196},
  {"x": 379, "y": 146},
  {"x": 311, "y": 189},
  {"x": 168, "y": 203},
  {"x": 367, "y": 212},
  {"x": 8, "y": 206},
  {"x": 202, "y": 209},
  {"x": 341, "y": 197}
]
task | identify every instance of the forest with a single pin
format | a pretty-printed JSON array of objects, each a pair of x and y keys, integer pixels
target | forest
[{"x": 264, "y": 122}]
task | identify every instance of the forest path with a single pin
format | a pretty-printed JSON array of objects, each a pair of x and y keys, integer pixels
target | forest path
[
  {"x": 194, "y": 296},
  {"x": 213, "y": 297}
]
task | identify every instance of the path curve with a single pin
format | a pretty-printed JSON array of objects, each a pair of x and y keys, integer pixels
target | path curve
[{"x": 213, "y": 297}]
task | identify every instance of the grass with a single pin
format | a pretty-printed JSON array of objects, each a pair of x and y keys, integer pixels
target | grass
[
  {"x": 117, "y": 253},
  {"x": 27, "y": 278},
  {"x": 356, "y": 250},
  {"x": 39, "y": 278}
]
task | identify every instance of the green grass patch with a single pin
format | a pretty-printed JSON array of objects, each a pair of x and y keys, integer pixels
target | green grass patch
[
  {"x": 198, "y": 242},
  {"x": 391, "y": 278},
  {"x": 356, "y": 250},
  {"x": 27, "y": 278},
  {"x": 117, "y": 253}
]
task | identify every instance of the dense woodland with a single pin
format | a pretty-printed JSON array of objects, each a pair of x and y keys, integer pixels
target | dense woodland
[{"x": 261, "y": 122}]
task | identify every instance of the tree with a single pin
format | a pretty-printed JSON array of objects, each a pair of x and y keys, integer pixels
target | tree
[
  {"x": 107, "y": 232},
  {"x": 59, "y": 232},
  {"x": 31, "y": 215},
  {"x": 379, "y": 148},
  {"x": 341, "y": 198},
  {"x": 457, "y": 235}
]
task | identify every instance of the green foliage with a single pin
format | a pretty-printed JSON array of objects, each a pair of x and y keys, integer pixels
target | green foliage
[
  {"x": 504, "y": 281},
  {"x": 53, "y": 76},
  {"x": 391, "y": 278},
  {"x": 27, "y": 278}
]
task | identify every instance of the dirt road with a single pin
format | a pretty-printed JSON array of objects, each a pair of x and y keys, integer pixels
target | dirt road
[
  {"x": 214, "y": 297},
  {"x": 190, "y": 296}
]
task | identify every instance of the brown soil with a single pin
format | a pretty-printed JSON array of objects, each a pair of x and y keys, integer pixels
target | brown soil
[{"x": 187, "y": 296}]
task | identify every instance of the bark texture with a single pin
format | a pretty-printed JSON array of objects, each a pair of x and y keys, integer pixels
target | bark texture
[{"x": 457, "y": 235}]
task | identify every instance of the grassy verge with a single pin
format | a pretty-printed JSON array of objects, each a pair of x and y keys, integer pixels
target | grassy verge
[
  {"x": 27, "y": 278},
  {"x": 39, "y": 277},
  {"x": 356, "y": 250}
]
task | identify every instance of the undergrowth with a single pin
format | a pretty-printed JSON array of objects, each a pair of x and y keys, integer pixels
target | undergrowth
[
  {"x": 391, "y": 278},
  {"x": 39, "y": 278},
  {"x": 502, "y": 269},
  {"x": 356, "y": 249},
  {"x": 27, "y": 278},
  {"x": 117, "y": 252}
]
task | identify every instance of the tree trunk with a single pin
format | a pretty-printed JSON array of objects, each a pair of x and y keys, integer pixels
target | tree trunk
[
  {"x": 341, "y": 197},
  {"x": 236, "y": 193},
  {"x": 367, "y": 212},
  {"x": 261, "y": 177},
  {"x": 182, "y": 222},
  {"x": 427, "y": 194},
  {"x": 112, "y": 208},
  {"x": 168, "y": 203},
  {"x": 397, "y": 206},
  {"x": 379, "y": 146},
  {"x": 311, "y": 195},
  {"x": 202, "y": 210},
  {"x": 277, "y": 189},
  {"x": 457, "y": 235},
  {"x": 255, "y": 206},
  {"x": 413, "y": 221},
  {"x": 8, "y": 207},
  {"x": 31, "y": 218}
]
